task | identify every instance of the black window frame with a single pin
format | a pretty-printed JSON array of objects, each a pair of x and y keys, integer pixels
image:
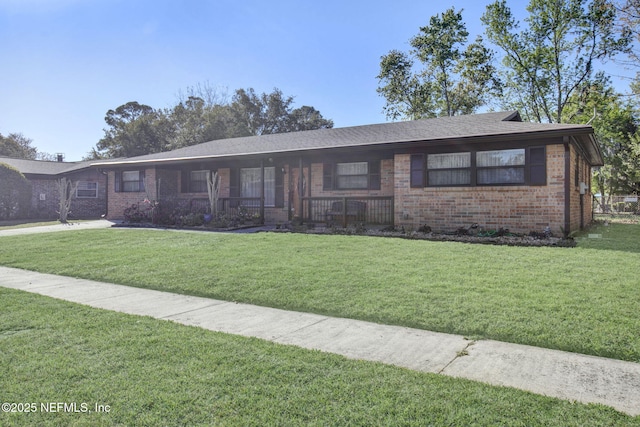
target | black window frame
[
  {"x": 469, "y": 168},
  {"x": 330, "y": 176},
  {"x": 120, "y": 186},
  {"x": 534, "y": 168},
  {"x": 519, "y": 167},
  {"x": 198, "y": 186}
]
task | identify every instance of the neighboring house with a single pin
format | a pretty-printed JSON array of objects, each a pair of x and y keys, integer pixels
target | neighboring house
[
  {"x": 491, "y": 169},
  {"x": 89, "y": 199}
]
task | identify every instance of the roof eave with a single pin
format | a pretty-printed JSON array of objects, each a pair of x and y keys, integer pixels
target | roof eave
[{"x": 380, "y": 145}]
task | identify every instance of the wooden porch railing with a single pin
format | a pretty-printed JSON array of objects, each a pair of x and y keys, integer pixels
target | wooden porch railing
[{"x": 349, "y": 210}]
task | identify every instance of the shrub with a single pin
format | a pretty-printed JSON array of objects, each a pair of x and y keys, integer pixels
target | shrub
[
  {"x": 134, "y": 214},
  {"x": 15, "y": 193}
]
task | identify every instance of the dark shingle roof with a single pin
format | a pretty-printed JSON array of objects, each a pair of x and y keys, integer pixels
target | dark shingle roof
[
  {"x": 443, "y": 128},
  {"x": 42, "y": 167}
]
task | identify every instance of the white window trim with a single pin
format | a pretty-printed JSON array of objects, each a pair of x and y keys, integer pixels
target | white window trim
[{"x": 80, "y": 184}]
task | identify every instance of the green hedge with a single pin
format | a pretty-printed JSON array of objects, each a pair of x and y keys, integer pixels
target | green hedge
[{"x": 15, "y": 193}]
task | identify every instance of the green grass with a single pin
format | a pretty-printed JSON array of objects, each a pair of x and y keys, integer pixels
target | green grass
[
  {"x": 152, "y": 372},
  {"x": 584, "y": 299}
]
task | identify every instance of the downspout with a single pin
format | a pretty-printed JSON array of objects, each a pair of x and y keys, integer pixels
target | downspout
[
  {"x": 106, "y": 192},
  {"x": 567, "y": 186},
  {"x": 262, "y": 191},
  {"x": 300, "y": 187},
  {"x": 581, "y": 210}
]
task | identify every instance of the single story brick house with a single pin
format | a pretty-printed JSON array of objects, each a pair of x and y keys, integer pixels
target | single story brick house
[
  {"x": 491, "y": 169},
  {"x": 88, "y": 201}
]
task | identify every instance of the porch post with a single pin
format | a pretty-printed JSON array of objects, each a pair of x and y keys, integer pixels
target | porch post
[
  {"x": 262, "y": 191},
  {"x": 300, "y": 187}
]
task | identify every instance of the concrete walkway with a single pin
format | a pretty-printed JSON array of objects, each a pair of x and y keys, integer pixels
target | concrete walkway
[
  {"x": 553, "y": 373},
  {"x": 84, "y": 225}
]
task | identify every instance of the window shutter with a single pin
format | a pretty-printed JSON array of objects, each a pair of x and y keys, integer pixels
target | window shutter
[
  {"x": 141, "y": 180},
  {"x": 537, "y": 166},
  {"x": 279, "y": 202},
  {"x": 417, "y": 171},
  {"x": 234, "y": 182},
  {"x": 117, "y": 184},
  {"x": 374, "y": 175},
  {"x": 327, "y": 177},
  {"x": 185, "y": 178}
]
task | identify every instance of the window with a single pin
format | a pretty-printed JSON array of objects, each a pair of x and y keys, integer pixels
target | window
[
  {"x": 129, "y": 181},
  {"x": 351, "y": 176},
  {"x": 250, "y": 184},
  {"x": 87, "y": 190},
  {"x": 500, "y": 167},
  {"x": 449, "y": 169},
  {"x": 493, "y": 167},
  {"x": 198, "y": 181}
]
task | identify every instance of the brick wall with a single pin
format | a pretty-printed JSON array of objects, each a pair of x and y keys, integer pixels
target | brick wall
[
  {"x": 169, "y": 183},
  {"x": 518, "y": 208},
  {"x": 119, "y": 201},
  {"x": 45, "y": 197}
]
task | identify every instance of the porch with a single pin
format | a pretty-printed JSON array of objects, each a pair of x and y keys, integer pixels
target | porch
[{"x": 342, "y": 211}]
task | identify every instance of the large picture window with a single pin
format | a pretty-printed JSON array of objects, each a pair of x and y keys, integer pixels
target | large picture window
[
  {"x": 517, "y": 166},
  {"x": 500, "y": 167},
  {"x": 449, "y": 169},
  {"x": 250, "y": 184}
]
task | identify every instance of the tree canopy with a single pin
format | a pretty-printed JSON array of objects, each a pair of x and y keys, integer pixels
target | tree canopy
[
  {"x": 18, "y": 146},
  {"x": 555, "y": 54},
  {"x": 135, "y": 129},
  {"x": 456, "y": 78}
]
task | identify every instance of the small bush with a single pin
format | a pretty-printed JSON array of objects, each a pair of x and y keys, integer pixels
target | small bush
[{"x": 134, "y": 214}]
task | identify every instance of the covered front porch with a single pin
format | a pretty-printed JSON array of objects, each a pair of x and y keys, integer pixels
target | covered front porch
[{"x": 259, "y": 191}]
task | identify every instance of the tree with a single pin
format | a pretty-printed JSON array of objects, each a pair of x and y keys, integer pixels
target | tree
[
  {"x": 307, "y": 118},
  {"x": 555, "y": 55},
  {"x": 66, "y": 189},
  {"x": 629, "y": 14},
  {"x": 15, "y": 193},
  {"x": 203, "y": 115},
  {"x": 18, "y": 146},
  {"x": 617, "y": 128},
  {"x": 134, "y": 129},
  {"x": 195, "y": 120},
  {"x": 455, "y": 80},
  {"x": 272, "y": 113}
]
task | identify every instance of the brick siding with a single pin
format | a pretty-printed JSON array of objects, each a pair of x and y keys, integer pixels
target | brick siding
[
  {"x": 45, "y": 197},
  {"x": 517, "y": 208}
]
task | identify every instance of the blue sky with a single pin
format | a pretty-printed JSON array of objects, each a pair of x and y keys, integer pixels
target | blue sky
[{"x": 67, "y": 62}]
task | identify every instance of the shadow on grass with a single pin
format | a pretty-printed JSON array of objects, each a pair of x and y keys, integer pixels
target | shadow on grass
[{"x": 611, "y": 237}]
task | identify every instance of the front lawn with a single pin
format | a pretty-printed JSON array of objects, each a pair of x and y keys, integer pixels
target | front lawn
[
  {"x": 584, "y": 299},
  {"x": 146, "y": 372}
]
